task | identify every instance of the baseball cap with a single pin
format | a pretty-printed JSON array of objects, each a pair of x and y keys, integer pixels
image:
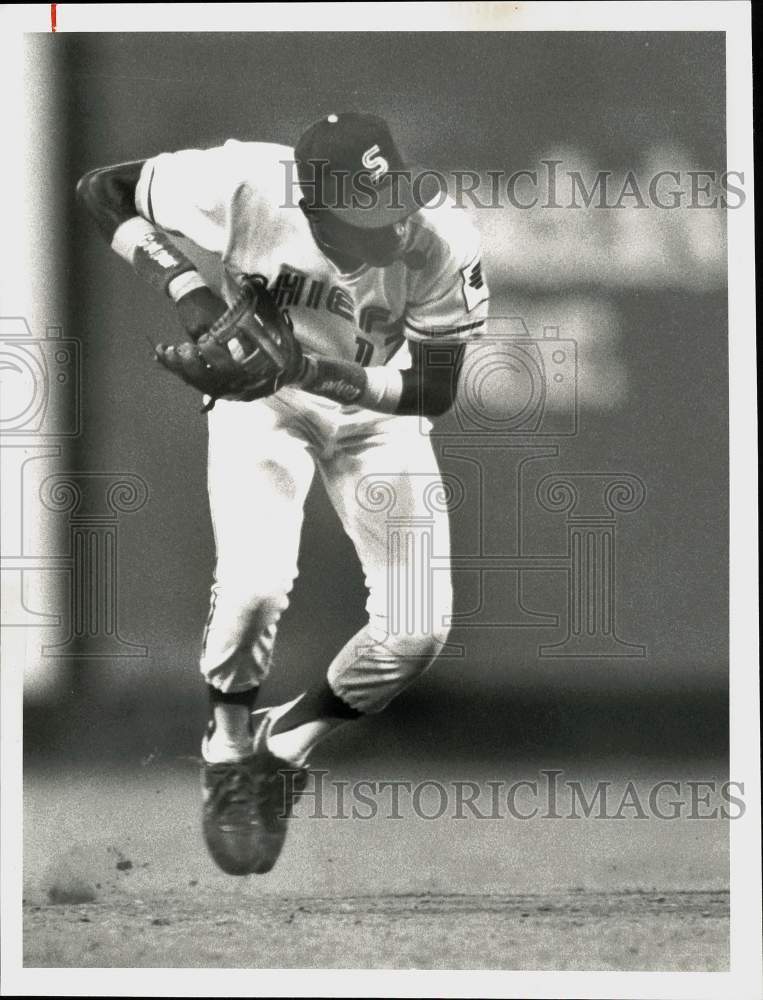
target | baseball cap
[{"x": 349, "y": 165}]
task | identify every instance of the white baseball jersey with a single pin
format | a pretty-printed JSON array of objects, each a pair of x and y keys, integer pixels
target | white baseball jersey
[{"x": 239, "y": 201}]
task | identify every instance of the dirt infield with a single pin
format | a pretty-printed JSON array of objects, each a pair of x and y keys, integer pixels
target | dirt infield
[
  {"x": 116, "y": 876},
  {"x": 681, "y": 931}
]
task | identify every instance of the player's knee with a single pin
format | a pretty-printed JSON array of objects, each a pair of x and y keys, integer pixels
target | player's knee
[
  {"x": 413, "y": 640},
  {"x": 403, "y": 658},
  {"x": 384, "y": 664},
  {"x": 415, "y": 651},
  {"x": 394, "y": 664},
  {"x": 426, "y": 630}
]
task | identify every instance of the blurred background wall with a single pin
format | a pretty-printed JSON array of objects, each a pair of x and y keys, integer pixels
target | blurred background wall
[{"x": 641, "y": 290}]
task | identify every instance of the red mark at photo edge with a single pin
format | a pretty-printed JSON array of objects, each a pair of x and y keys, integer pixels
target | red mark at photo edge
[{"x": 53, "y": 17}]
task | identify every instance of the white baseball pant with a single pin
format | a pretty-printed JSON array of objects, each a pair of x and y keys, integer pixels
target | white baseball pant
[{"x": 382, "y": 479}]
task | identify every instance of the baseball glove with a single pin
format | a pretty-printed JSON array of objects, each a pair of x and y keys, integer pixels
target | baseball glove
[{"x": 248, "y": 353}]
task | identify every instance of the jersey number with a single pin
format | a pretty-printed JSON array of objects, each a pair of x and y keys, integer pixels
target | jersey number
[{"x": 365, "y": 349}]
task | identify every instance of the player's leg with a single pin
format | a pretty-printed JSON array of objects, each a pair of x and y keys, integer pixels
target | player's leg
[
  {"x": 377, "y": 477},
  {"x": 259, "y": 472}
]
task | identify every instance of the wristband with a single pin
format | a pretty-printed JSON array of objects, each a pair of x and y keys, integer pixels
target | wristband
[
  {"x": 347, "y": 382},
  {"x": 384, "y": 387},
  {"x": 153, "y": 255},
  {"x": 184, "y": 284},
  {"x": 342, "y": 381}
]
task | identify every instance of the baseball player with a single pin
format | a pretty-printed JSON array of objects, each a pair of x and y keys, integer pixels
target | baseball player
[{"x": 332, "y": 328}]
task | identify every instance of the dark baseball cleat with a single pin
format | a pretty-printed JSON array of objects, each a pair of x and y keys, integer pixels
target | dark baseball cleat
[{"x": 247, "y": 805}]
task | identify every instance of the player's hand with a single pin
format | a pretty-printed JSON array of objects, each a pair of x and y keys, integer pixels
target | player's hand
[
  {"x": 198, "y": 310},
  {"x": 249, "y": 352}
]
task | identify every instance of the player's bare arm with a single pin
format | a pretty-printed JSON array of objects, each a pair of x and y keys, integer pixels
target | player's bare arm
[{"x": 108, "y": 194}]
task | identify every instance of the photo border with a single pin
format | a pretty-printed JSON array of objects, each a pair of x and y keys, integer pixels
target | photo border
[{"x": 744, "y": 978}]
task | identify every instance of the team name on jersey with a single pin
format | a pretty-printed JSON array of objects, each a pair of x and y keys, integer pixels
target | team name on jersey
[{"x": 292, "y": 288}]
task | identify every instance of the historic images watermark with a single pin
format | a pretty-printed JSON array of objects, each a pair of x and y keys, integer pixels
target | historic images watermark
[
  {"x": 39, "y": 411},
  {"x": 516, "y": 407},
  {"x": 548, "y": 185},
  {"x": 549, "y": 795}
]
